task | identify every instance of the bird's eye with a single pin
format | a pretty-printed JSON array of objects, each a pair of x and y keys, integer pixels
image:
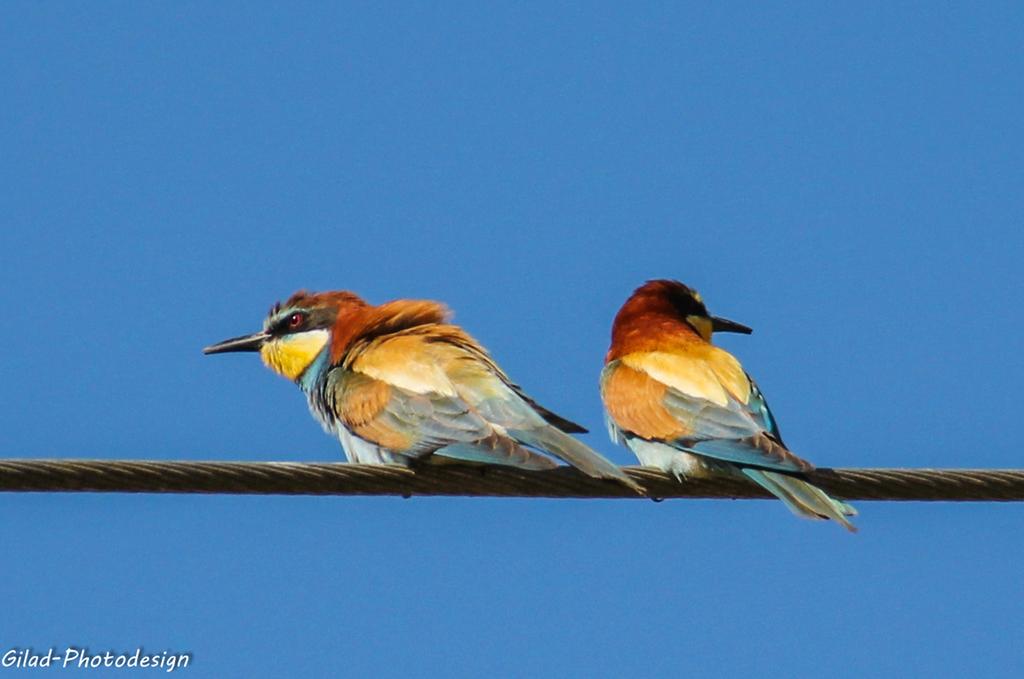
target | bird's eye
[{"x": 295, "y": 321}]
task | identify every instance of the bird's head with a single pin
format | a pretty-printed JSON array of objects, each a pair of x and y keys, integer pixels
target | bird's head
[
  {"x": 678, "y": 300},
  {"x": 295, "y": 332}
]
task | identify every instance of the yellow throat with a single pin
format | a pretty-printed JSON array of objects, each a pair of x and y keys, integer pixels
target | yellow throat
[
  {"x": 702, "y": 324},
  {"x": 290, "y": 355}
]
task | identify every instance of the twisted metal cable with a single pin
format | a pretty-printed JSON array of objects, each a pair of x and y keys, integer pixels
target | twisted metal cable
[{"x": 292, "y": 478}]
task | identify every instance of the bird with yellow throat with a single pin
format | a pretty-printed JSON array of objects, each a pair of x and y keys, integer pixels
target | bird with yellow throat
[
  {"x": 397, "y": 383},
  {"x": 687, "y": 407}
]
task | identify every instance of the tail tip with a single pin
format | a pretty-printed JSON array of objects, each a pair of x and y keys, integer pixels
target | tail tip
[{"x": 632, "y": 484}]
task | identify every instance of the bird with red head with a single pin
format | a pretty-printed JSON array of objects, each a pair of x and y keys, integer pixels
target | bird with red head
[
  {"x": 397, "y": 383},
  {"x": 687, "y": 407}
]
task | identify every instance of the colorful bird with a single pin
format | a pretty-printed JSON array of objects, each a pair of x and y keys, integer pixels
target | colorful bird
[
  {"x": 397, "y": 383},
  {"x": 687, "y": 407}
]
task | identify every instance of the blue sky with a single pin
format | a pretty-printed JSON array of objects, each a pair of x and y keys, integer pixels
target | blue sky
[{"x": 845, "y": 179}]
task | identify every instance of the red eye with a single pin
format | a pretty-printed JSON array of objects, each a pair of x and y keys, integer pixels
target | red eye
[{"x": 295, "y": 320}]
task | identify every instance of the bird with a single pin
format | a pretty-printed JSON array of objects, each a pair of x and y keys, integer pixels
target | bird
[
  {"x": 398, "y": 383},
  {"x": 687, "y": 407}
]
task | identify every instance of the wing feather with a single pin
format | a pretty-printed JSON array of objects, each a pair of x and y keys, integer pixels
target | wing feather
[
  {"x": 719, "y": 410},
  {"x": 635, "y": 401},
  {"x": 432, "y": 389},
  {"x": 413, "y": 397}
]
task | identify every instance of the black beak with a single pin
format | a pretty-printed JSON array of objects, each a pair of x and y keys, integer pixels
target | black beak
[
  {"x": 725, "y": 325},
  {"x": 251, "y": 342}
]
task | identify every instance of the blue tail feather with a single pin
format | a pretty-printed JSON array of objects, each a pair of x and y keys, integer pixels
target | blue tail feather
[
  {"x": 497, "y": 450},
  {"x": 554, "y": 441},
  {"x": 802, "y": 498}
]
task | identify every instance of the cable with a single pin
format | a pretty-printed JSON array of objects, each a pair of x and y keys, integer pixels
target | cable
[{"x": 292, "y": 478}]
